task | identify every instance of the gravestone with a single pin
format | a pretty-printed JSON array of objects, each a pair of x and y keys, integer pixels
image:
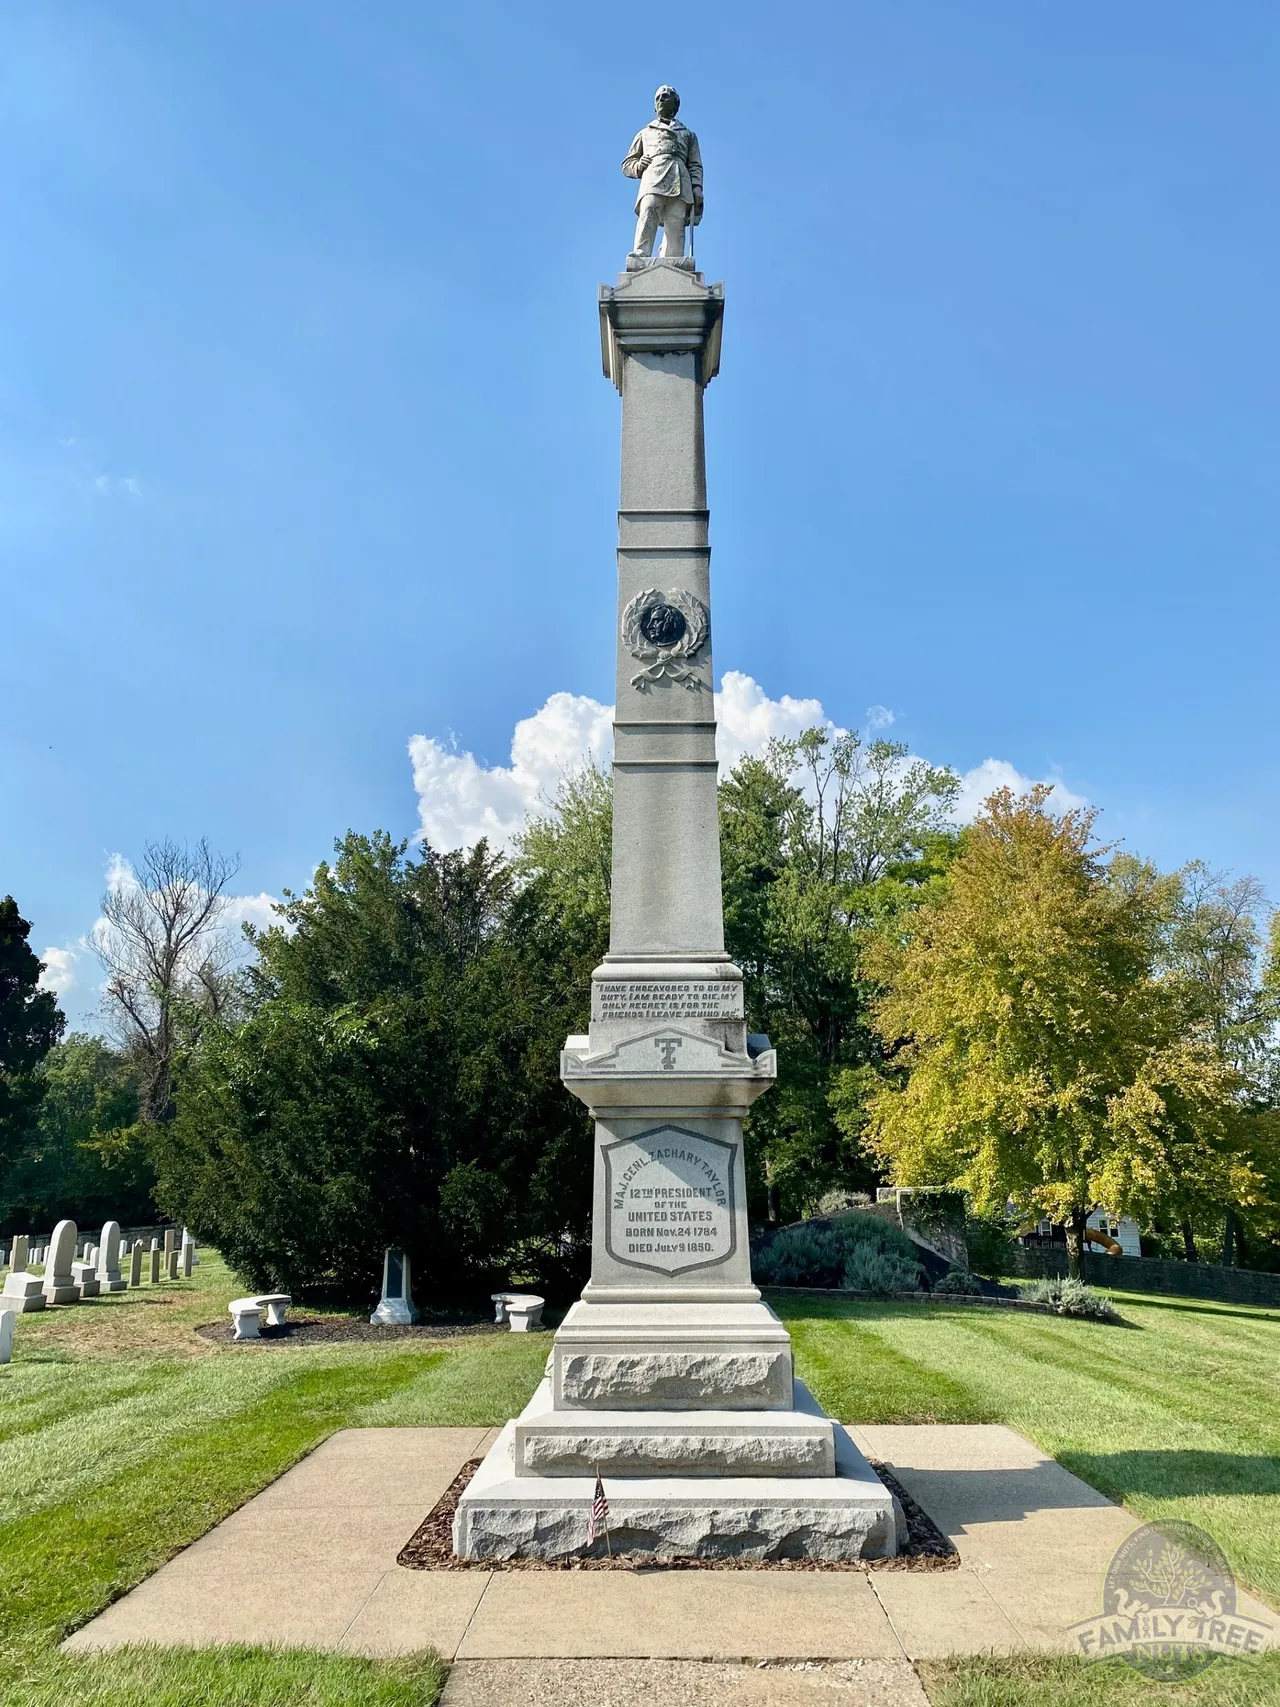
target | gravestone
[
  {"x": 85, "y": 1276},
  {"x": 188, "y": 1255},
  {"x": 8, "y": 1318},
  {"x": 22, "y": 1291},
  {"x": 154, "y": 1254},
  {"x": 135, "y": 1264},
  {"x": 396, "y": 1307},
  {"x": 670, "y": 1373},
  {"x": 109, "y": 1277},
  {"x": 19, "y": 1255},
  {"x": 59, "y": 1282}
]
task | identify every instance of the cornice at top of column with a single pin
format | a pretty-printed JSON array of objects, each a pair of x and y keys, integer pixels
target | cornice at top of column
[{"x": 661, "y": 307}]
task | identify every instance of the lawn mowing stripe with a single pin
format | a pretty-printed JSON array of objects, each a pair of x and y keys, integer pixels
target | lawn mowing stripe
[
  {"x": 861, "y": 1379},
  {"x": 1108, "y": 1356},
  {"x": 82, "y": 1448},
  {"x": 60, "y": 1566}
]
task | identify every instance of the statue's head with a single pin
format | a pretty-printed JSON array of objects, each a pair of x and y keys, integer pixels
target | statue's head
[{"x": 666, "y": 102}]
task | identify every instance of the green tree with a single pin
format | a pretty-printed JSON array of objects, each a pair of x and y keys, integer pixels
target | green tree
[
  {"x": 1213, "y": 948},
  {"x": 86, "y": 1160},
  {"x": 825, "y": 841},
  {"x": 567, "y": 853},
  {"x": 30, "y": 1024},
  {"x": 1045, "y": 1057},
  {"x": 394, "y": 1083}
]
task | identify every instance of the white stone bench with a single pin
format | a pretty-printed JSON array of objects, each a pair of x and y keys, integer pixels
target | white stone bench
[
  {"x": 524, "y": 1312},
  {"x": 247, "y": 1313}
]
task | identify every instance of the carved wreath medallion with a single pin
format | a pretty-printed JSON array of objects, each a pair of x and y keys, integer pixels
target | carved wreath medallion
[{"x": 664, "y": 631}]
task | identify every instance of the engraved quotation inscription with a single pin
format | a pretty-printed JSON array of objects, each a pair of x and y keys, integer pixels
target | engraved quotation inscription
[
  {"x": 648, "y": 998},
  {"x": 670, "y": 1200}
]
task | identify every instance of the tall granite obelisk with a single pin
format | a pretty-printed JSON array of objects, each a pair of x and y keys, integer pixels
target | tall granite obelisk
[{"x": 670, "y": 1376}]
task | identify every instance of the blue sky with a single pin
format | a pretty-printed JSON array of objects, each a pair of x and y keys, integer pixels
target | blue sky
[{"x": 305, "y": 449}]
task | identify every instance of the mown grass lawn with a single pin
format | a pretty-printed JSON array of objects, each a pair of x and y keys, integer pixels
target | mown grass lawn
[
  {"x": 1175, "y": 1415},
  {"x": 123, "y": 1436}
]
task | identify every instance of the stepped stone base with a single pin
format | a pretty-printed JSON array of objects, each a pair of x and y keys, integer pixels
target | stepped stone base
[
  {"x": 851, "y": 1515},
  {"x": 679, "y": 1356},
  {"x": 551, "y": 1442}
]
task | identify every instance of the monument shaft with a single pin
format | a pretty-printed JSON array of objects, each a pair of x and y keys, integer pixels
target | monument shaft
[{"x": 666, "y": 839}]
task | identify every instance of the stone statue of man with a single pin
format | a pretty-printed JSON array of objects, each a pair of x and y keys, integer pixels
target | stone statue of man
[{"x": 666, "y": 159}]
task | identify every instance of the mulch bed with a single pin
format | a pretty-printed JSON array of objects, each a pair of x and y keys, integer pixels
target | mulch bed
[
  {"x": 328, "y": 1330},
  {"x": 431, "y": 1547}
]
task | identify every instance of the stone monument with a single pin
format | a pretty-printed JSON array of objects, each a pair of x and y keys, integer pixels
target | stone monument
[
  {"x": 396, "y": 1307},
  {"x": 670, "y": 1377}
]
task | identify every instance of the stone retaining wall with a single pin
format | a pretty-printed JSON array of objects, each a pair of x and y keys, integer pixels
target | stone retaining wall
[{"x": 1156, "y": 1274}]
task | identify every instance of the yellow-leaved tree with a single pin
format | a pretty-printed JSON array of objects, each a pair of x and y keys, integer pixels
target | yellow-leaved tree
[{"x": 1045, "y": 1056}]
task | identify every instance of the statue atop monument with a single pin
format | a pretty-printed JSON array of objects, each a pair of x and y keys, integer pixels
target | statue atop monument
[{"x": 666, "y": 159}]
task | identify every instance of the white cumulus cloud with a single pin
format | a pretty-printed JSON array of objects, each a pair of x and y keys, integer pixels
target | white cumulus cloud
[
  {"x": 977, "y": 786},
  {"x": 61, "y": 970},
  {"x": 256, "y": 910},
  {"x": 747, "y": 719},
  {"x": 461, "y": 799}
]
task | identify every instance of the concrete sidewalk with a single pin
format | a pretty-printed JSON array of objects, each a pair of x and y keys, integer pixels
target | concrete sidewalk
[{"x": 311, "y": 1562}]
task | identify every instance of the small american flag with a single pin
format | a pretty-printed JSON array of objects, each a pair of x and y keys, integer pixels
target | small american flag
[{"x": 599, "y": 1514}]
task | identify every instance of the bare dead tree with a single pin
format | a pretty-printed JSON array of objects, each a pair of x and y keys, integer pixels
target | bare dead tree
[{"x": 162, "y": 944}]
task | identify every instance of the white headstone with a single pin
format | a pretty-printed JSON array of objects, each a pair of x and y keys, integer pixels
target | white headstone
[
  {"x": 155, "y": 1262},
  {"x": 396, "y": 1308},
  {"x": 187, "y": 1254},
  {"x": 7, "y": 1320},
  {"x": 135, "y": 1264},
  {"x": 109, "y": 1276},
  {"x": 18, "y": 1256},
  {"x": 59, "y": 1282}
]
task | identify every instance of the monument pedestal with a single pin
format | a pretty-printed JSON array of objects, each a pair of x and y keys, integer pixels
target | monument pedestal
[
  {"x": 755, "y": 1513},
  {"x": 670, "y": 1379}
]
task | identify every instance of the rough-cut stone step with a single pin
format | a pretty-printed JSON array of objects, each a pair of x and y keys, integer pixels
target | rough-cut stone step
[
  {"x": 550, "y": 1442},
  {"x": 850, "y": 1515},
  {"x": 672, "y": 1356}
]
